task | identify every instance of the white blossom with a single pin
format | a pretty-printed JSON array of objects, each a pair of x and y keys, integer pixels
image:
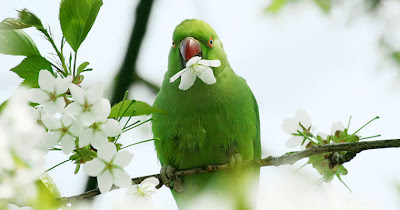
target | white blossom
[
  {"x": 145, "y": 189},
  {"x": 63, "y": 131},
  {"x": 88, "y": 105},
  {"x": 338, "y": 126},
  {"x": 50, "y": 93},
  {"x": 292, "y": 126},
  {"x": 196, "y": 67},
  {"x": 38, "y": 112},
  {"x": 21, "y": 160},
  {"x": 108, "y": 167},
  {"x": 97, "y": 133}
]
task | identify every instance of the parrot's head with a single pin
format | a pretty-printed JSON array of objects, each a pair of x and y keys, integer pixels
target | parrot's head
[{"x": 195, "y": 38}]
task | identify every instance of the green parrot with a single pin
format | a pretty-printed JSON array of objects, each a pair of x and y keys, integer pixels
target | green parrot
[{"x": 210, "y": 119}]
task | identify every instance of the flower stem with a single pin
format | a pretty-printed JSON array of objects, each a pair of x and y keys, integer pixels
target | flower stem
[
  {"x": 138, "y": 125},
  {"x": 131, "y": 125},
  {"x": 60, "y": 55},
  {"x": 57, "y": 165},
  {"x": 348, "y": 125},
  {"x": 138, "y": 143},
  {"x": 123, "y": 99},
  {"x": 377, "y": 117},
  {"x": 369, "y": 137}
]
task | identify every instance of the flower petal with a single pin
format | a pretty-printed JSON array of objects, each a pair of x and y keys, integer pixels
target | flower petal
[
  {"x": 98, "y": 139},
  {"x": 51, "y": 139},
  {"x": 93, "y": 167},
  {"x": 60, "y": 104},
  {"x": 177, "y": 75},
  {"x": 338, "y": 126},
  {"x": 149, "y": 182},
  {"x": 111, "y": 128},
  {"x": 88, "y": 118},
  {"x": 51, "y": 122},
  {"x": 101, "y": 110},
  {"x": 37, "y": 95},
  {"x": 67, "y": 144},
  {"x": 62, "y": 85},
  {"x": 107, "y": 151},
  {"x": 294, "y": 141},
  {"x": 74, "y": 109},
  {"x": 46, "y": 81},
  {"x": 193, "y": 60},
  {"x": 76, "y": 128},
  {"x": 50, "y": 107},
  {"x": 105, "y": 181},
  {"x": 303, "y": 117},
  {"x": 206, "y": 74},
  {"x": 95, "y": 93},
  {"x": 123, "y": 158},
  {"x": 78, "y": 94},
  {"x": 212, "y": 63},
  {"x": 66, "y": 120},
  {"x": 121, "y": 178},
  {"x": 187, "y": 80},
  {"x": 85, "y": 137},
  {"x": 290, "y": 125}
]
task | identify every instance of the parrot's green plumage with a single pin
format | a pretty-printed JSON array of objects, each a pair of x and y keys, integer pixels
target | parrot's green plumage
[{"x": 205, "y": 124}]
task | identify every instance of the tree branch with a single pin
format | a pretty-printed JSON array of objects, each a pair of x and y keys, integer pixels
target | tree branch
[{"x": 287, "y": 159}]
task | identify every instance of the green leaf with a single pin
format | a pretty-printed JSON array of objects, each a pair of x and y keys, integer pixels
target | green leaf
[
  {"x": 82, "y": 67},
  {"x": 25, "y": 19},
  {"x": 48, "y": 194},
  {"x": 396, "y": 56},
  {"x": 276, "y": 5},
  {"x": 3, "y": 105},
  {"x": 133, "y": 108},
  {"x": 17, "y": 42},
  {"x": 324, "y": 5},
  {"x": 12, "y": 24},
  {"x": 77, "y": 18},
  {"x": 29, "y": 69},
  {"x": 28, "y": 18}
]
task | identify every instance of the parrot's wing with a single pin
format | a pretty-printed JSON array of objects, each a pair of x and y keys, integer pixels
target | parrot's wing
[{"x": 257, "y": 140}]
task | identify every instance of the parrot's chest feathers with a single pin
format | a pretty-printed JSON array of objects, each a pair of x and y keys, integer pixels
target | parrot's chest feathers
[{"x": 211, "y": 125}]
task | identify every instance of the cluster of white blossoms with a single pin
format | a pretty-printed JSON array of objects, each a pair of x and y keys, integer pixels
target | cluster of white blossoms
[
  {"x": 79, "y": 120},
  {"x": 196, "y": 67},
  {"x": 66, "y": 117},
  {"x": 82, "y": 120},
  {"x": 301, "y": 125},
  {"x": 21, "y": 158}
]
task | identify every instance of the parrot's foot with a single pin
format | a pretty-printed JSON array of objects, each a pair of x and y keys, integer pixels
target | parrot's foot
[
  {"x": 170, "y": 180},
  {"x": 235, "y": 161}
]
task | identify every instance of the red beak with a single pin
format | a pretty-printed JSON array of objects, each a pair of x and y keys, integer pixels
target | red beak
[{"x": 189, "y": 48}]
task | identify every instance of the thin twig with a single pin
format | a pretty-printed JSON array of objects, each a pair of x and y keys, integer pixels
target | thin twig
[{"x": 287, "y": 159}]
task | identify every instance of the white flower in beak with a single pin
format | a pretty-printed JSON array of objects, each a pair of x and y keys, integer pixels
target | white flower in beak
[{"x": 196, "y": 67}]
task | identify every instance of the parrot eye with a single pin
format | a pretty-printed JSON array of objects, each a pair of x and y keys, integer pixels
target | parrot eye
[
  {"x": 211, "y": 42},
  {"x": 173, "y": 44}
]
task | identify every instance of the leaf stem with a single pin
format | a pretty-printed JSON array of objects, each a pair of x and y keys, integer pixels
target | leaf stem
[{"x": 73, "y": 73}]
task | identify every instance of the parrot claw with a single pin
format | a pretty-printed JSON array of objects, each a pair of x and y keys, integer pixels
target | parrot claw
[
  {"x": 168, "y": 175},
  {"x": 235, "y": 160}
]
